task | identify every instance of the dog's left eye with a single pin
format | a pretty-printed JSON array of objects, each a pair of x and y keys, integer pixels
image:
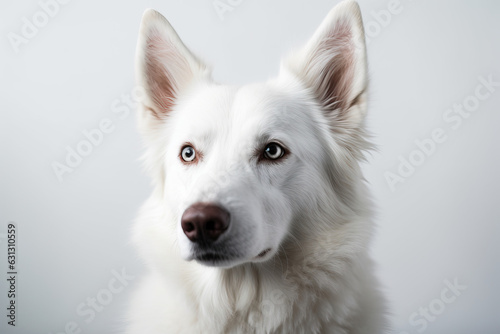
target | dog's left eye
[{"x": 273, "y": 151}]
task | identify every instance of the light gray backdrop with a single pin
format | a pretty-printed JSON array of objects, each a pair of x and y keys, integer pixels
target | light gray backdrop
[{"x": 438, "y": 222}]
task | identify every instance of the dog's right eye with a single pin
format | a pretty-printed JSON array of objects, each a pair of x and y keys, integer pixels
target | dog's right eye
[{"x": 188, "y": 154}]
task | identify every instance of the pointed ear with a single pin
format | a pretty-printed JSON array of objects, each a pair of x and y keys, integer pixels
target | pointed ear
[
  {"x": 164, "y": 66},
  {"x": 333, "y": 65}
]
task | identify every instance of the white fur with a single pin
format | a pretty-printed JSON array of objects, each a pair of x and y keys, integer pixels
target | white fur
[{"x": 311, "y": 208}]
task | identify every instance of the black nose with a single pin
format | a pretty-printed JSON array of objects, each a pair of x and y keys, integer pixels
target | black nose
[{"x": 203, "y": 222}]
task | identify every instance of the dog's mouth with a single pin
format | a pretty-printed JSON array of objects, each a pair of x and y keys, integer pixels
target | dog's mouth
[
  {"x": 263, "y": 253},
  {"x": 218, "y": 259},
  {"x": 211, "y": 257}
]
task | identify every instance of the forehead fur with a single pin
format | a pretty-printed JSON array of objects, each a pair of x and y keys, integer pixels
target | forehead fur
[{"x": 210, "y": 110}]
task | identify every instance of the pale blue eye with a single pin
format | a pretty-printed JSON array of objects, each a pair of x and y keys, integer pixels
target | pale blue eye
[
  {"x": 273, "y": 151},
  {"x": 188, "y": 154}
]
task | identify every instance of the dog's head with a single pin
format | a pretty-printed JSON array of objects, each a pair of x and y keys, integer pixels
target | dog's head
[{"x": 237, "y": 167}]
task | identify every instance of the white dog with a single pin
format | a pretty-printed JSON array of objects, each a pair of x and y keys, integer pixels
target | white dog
[{"x": 260, "y": 220}]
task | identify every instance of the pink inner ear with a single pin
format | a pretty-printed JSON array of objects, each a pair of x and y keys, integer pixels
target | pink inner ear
[
  {"x": 337, "y": 75},
  {"x": 160, "y": 54}
]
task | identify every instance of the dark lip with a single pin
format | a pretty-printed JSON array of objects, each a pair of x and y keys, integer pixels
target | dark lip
[
  {"x": 264, "y": 252},
  {"x": 211, "y": 257}
]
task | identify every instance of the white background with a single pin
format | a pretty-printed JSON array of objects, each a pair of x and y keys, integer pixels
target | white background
[{"x": 441, "y": 223}]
